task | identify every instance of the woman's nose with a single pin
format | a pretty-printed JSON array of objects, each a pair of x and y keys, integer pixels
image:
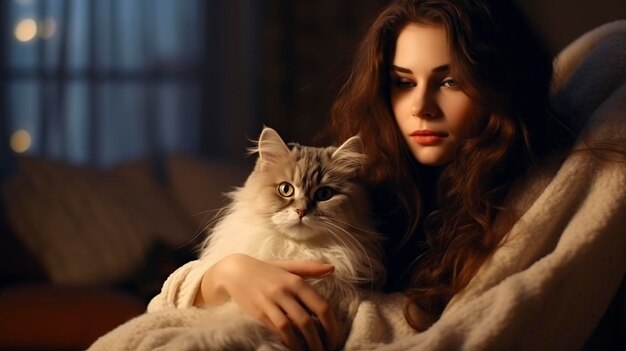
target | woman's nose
[{"x": 424, "y": 105}]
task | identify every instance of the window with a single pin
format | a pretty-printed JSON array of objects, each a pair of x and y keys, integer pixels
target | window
[{"x": 98, "y": 82}]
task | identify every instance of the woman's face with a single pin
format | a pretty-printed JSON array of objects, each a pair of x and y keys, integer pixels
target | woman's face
[{"x": 433, "y": 113}]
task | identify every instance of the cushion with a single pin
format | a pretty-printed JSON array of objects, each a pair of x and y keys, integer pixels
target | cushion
[{"x": 88, "y": 226}]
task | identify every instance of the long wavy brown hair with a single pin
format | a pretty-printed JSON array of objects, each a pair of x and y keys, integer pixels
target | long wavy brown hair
[{"x": 504, "y": 66}]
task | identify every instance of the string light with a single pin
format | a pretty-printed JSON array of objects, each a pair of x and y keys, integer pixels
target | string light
[
  {"x": 21, "y": 141},
  {"x": 26, "y": 30}
]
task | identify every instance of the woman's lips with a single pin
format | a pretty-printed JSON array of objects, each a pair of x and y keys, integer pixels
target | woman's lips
[{"x": 428, "y": 137}]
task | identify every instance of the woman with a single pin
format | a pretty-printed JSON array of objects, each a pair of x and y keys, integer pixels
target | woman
[
  {"x": 451, "y": 100},
  {"x": 467, "y": 84}
]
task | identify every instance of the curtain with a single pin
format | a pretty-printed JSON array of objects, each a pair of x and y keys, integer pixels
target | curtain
[
  {"x": 103, "y": 81},
  {"x": 100, "y": 82}
]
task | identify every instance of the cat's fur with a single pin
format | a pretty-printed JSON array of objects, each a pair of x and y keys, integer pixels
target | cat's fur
[{"x": 265, "y": 225}]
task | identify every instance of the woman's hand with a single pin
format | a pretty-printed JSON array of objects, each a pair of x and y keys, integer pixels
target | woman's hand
[{"x": 275, "y": 294}]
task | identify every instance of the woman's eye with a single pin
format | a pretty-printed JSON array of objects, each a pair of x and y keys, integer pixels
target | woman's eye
[
  {"x": 404, "y": 83},
  {"x": 285, "y": 189},
  {"x": 450, "y": 83},
  {"x": 324, "y": 193}
]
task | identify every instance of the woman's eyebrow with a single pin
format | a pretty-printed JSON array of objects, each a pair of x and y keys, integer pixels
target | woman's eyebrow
[
  {"x": 442, "y": 68},
  {"x": 400, "y": 69}
]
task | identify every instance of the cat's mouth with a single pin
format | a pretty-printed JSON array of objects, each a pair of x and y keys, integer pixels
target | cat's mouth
[
  {"x": 295, "y": 227},
  {"x": 300, "y": 231}
]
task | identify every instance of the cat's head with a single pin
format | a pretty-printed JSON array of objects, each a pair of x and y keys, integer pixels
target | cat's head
[{"x": 309, "y": 193}]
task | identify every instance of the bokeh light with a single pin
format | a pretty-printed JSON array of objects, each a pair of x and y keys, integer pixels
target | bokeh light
[
  {"x": 48, "y": 28},
  {"x": 21, "y": 141},
  {"x": 26, "y": 30}
]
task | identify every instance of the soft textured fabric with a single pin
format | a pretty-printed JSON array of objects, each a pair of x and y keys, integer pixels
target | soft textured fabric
[
  {"x": 545, "y": 288},
  {"x": 88, "y": 226}
]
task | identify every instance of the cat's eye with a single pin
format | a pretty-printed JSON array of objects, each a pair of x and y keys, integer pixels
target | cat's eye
[
  {"x": 324, "y": 193},
  {"x": 285, "y": 189}
]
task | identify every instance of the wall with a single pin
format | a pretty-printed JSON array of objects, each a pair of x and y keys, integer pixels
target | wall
[{"x": 562, "y": 21}]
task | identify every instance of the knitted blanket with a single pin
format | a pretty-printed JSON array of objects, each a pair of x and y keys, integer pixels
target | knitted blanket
[{"x": 545, "y": 288}]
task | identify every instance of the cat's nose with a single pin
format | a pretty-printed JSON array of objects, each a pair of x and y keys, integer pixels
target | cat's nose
[{"x": 300, "y": 212}]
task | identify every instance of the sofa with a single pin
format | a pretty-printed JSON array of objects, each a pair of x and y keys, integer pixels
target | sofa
[{"x": 84, "y": 249}]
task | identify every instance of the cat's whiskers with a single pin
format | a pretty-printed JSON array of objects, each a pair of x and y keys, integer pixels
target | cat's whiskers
[
  {"x": 351, "y": 240},
  {"x": 353, "y": 279},
  {"x": 338, "y": 240},
  {"x": 219, "y": 214},
  {"x": 349, "y": 243},
  {"x": 364, "y": 230}
]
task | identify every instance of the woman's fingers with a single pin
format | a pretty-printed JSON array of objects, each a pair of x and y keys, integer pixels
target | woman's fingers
[
  {"x": 281, "y": 324},
  {"x": 306, "y": 269},
  {"x": 277, "y": 295},
  {"x": 310, "y": 298},
  {"x": 322, "y": 310},
  {"x": 304, "y": 322}
]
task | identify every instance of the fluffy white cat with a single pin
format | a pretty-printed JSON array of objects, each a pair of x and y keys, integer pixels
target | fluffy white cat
[{"x": 299, "y": 203}]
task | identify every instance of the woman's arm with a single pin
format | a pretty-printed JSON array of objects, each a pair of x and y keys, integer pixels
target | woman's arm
[
  {"x": 275, "y": 293},
  {"x": 179, "y": 290}
]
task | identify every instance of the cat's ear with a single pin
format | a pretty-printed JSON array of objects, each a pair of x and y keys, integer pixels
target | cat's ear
[
  {"x": 271, "y": 147},
  {"x": 350, "y": 154}
]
